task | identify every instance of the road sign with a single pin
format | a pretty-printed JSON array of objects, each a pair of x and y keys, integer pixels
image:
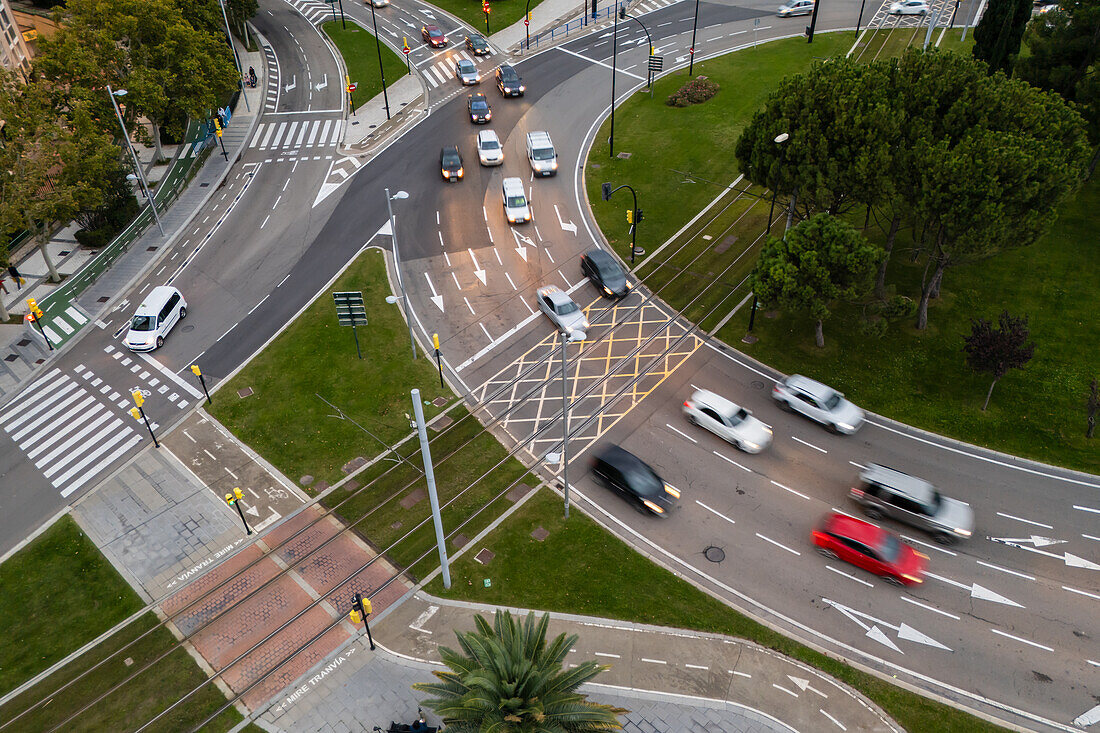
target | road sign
[
  {"x": 656, "y": 63},
  {"x": 526, "y": 21},
  {"x": 349, "y": 308},
  {"x": 353, "y": 86}
]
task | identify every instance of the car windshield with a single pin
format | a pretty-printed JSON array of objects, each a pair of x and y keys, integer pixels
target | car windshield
[
  {"x": 935, "y": 503},
  {"x": 643, "y": 481},
  {"x": 566, "y": 308},
  {"x": 465, "y": 66},
  {"x": 435, "y": 33},
  {"x": 451, "y": 159},
  {"x": 516, "y": 202},
  {"x": 479, "y": 105},
  {"x": 143, "y": 323},
  {"x": 543, "y": 153},
  {"x": 738, "y": 417},
  {"x": 477, "y": 42},
  {"x": 490, "y": 145},
  {"x": 508, "y": 75},
  {"x": 890, "y": 548},
  {"x": 833, "y": 401}
]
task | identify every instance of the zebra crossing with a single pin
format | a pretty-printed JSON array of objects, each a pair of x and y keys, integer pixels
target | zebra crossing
[
  {"x": 443, "y": 72},
  {"x": 68, "y": 432},
  {"x": 651, "y": 5},
  {"x": 313, "y": 11},
  {"x": 297, "y": 135}
]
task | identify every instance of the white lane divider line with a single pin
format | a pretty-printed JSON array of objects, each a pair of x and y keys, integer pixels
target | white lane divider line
[
  {"x": 937, "y": 548},
  {"x": 1074, "y": 590},
  {"x": 654, "y": 661},
  {"x": 746, "y": 675},
  {"x": 681, "y": 433},
  {"x": 715, "y": 512},
  {"x": 1028, "y": 521},
  {"x": 605, "y": 654},
  {"x": 837, "y": 722},
  {"x": 848, "y": 576},
  {"x": 860, "y": 466},
  {"x": 907, "y": 599},
  {"x": 1006, "y": 570},
  {"x": 1080, "y": 508},
  {"x": 784, "y": 689},
  {"x": 781, "y": 546},
  {"x": 730, "y": 460},
  {"x": 696, "y": 666},
  {"x": 1022, "y": 640},
  {"x": 810, "y": 445},
  {"x": 787, "y": 488}
]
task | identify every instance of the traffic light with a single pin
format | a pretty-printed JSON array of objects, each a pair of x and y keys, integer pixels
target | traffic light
[
  {"x": 196, "y": 370},
  {"x": 630, "y": 216},
  {"x": 485, "y": 6},
  {"x": 637, "y": 215},
  {"x": 139, "y": 398},
  {"x": 32, "y": 306},
  {"x": 622, "y": 12},
  {"x": 230, "y": 500},
  {"x": 136, "y": 413},
  {"x": 217, "y": 127},
  {"x": 354, "y": 615},
  {"x": 233, "y": 498},
  {"x": 363, "y": 604}
]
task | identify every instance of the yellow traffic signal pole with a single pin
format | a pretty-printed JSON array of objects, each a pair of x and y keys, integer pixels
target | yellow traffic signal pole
[
  {"x": 35, "y": 314},
  {"x": 139, "y": 414},
  {"x": 361, "y": 610},
  {"x": 202, "y": 381},
  {"x": 234, "y": 499},
  {"x": 438, "y": 360}
]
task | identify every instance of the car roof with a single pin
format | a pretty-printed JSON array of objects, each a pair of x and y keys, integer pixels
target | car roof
[
  {"x": 601, "y": 258},
  {"x": 856, "y": 529},
  {"x": 557, "y": 295},
  {"x": 476, "y": 96},
  {"x": 507, "y": 69},
  {"x": 810, "y": 386},
  {"x": 620, "y": 458},
  {"x": 430, "y": 27},
  {"x": 514, "y": 182},
  {"x": 715, "y": 401},
  {"x": 465, "y": 62},
  {"x": 476, "y": 38},
  {"x": 900, "y": 481},
  {"x": 488, "y": 135}
]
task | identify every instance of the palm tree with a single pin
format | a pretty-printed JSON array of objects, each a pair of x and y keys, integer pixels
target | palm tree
[{"x": 509, "y": 680}]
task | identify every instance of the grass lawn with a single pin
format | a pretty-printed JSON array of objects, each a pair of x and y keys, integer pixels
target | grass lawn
[
  {"x": 360, "y": 51},
  {"x": 605, "y": 577},
  {"x": 60, "y": 593},
  {"x": 503, "y": 13},
  {"x": 289, "y": 425}
]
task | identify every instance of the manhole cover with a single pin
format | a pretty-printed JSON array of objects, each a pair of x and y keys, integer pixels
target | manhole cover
[
  {"x": 246, "y": 392},
  {"x": 714, "y": 554},
  {"x": 757, "y": 384},
  {"x": 150, "y": 249},
  {"x": 188, "y": 328}
]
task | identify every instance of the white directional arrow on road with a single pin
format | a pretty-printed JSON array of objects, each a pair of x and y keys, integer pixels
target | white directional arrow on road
[
  {"x": 293, "y": 83},
  {"x": 1069, "y": 559},
  {"x": 605, "y": 35},
  {"x": 567, "y": 226},
  {"x": 436, "y": 297},
  {"x": 680, "y": 59},
  {"x": 804, "y": 685},
  {"x": 253, "y": 511},
  {"x": 522, "y": 242},
  {"x": 1088, "y": 718},
  {"x": 904, "y": 631},
  {"x": 1033, "y": 539},
  {"x": 323, "y": 84},
  {"x": 976, "y": 591},
  {"x": 477, "y": 268}
]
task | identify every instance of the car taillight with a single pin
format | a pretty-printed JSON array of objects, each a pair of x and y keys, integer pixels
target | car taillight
[
  {"x": 687, "y": 403},
  {"x": 857, "y": 493},
  {"x": 817, "y": 536}
]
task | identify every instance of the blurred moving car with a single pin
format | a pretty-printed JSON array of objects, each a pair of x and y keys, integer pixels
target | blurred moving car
[
  {"x": 433, "y": 36},
  {"x": 909, "y": 7},
  {"x": 466, "y": 72},
  {"x": 604, "y": 271},
  {"x": 869, "y": 547},
  {"x": 633, "y": 479},
  {"x": 727, "y": 420},
  {"x": 818, "y": 402},
  {"x": 450, "y": 163},
  {"x": 509, "y": 83},
  {"x": 489, "y": 151},
  {"x": 887, "y": 492},
  {"x": 477, "y": 45},
  {"x": 795, "y": 7},
  {"x": 562, "y": 310}
]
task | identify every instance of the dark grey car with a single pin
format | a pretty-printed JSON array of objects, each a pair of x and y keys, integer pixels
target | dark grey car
[
  {"x": 632, "y": 478},
  {"x": 887, "y": 492}
]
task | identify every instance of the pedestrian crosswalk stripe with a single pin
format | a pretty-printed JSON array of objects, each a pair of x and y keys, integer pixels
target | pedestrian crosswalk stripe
[
  {"x": 62, "y": 387},
  {"x": 99, "y": 421},
  {"x": 278, "y": 135},
  {"x": 48, "y": 415},
  {"x": 267, "y": 137},
  {"x": 301, "y": 135},
  {"x": 76, "y": 315},
  {"x": 290, "y": 134},
  {"x": 114, "y": 456},
  {"x": 324, "y": 132},
  {"x": 110, "y": 437},
  {"x": 312, "y": 136},
  {"x": 43, "y": 386},
  {"x": 49, "y": 440}
]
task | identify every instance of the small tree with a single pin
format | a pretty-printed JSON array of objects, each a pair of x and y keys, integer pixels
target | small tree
[
  {"x": 996, "y": 350},
  {"x": 999, "y": 33},
  {"x": 821, "y": 260},
  {"x": 508, "y": 678}
]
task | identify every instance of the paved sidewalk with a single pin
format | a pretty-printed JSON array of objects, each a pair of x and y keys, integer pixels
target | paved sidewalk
[{"x": 671, "y": 680}]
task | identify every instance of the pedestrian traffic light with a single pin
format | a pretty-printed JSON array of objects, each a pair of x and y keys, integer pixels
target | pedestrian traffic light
[
  {"x": 353, "y": 614},
  {"x": 630, "y": 216},
  {"x": 230, "y": 499},
  {"x": 637, "y": 215},
  {"x": 195, "y": 369},
  {"x": 622, "y": 12},
  {"x": 238, "y": 494},
  {"x": 32, "y": 306},
  {"x": 363, "y": 604},
  {"x": 139, "y": 398},
  {"x": 435, "y": 341},
  {"x": 136, "y": 413},
  {"x": 217, "y": 127}
]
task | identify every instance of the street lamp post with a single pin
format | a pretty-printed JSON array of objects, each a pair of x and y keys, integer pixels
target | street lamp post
[
  {"x": 527, "y": 23},
  {"x": 649, "y": 40},
  {"x": 381, "y": 71},
  {"x": 137, "y": 164},
  {"x": 575, "y": 336},
  {"x": 691, "y": 51},
  {"x": 614, "y": 72},
  {"x": 236, "y": 59},
  {"x": 397, "y": 260},
  {"x": 779, "y": 140},
  {"x": 606, "y": 191}
]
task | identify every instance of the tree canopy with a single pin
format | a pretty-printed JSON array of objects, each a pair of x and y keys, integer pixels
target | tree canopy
[
  {"x": 999, "y": 32},
  {"x": 995, "y": 350}
]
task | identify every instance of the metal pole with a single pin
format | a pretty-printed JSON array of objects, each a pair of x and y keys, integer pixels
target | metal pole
[
  {"x": 202, "y": 381},
  {"x": 355, "y": 334},
  {"x": 137, "y": 163},
  {"x": 151, "y": 433},
  {"x": 236, "y": 59},
  {"x": 343, "y": 21},
  {"x": 691, "y": 52},
  {"x": 240, "y": 511},
  {"x": 564, "y": 428},
  {"x": 527, "y": 22},
  {"x": 859, "y": 20},
  {"x": 381, "y": 71},
  {"x": 42, "y": 331},
  {"x": 439, "y": 363},
  {"x": 397, "y": 268},
  {"x": 429, "y": 475},
  {"x": 614, "y": 65},
  {"x": 633, "y": 226},
  {"x": 813, "y": 23}
]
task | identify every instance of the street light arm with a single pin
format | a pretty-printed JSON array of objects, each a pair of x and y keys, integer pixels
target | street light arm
[{"x": 644, "y": 30}]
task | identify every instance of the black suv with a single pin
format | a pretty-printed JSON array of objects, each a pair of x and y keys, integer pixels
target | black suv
[
  {"x": 478, "y": 107},
  {"x": 629, "y": 476},
  {"x": 604, "y": 272},
  {"x": 477, "y": 45},
  {"x": 450, "y": 163},
  {"x": 509, "y": 83}
]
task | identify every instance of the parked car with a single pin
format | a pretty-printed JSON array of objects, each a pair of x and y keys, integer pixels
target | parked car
[
  {"x": 477, "y": 45},
  {"x": 884, "y": 491},
  {"x": 604, "y": 271},
  {"x": 466, "y": 72},
  {"x": 565, "y": 314},
  {"x": 478, "y": 108},
  {"x": 818, "y": 402},
  {"x": 795, "y": 7},
  {"x": 630, "y": 477},
  {"x": 509, "y": 83},
  {"x": 450, "y": 163},
  {"x": 869, "y": 547},
  {"x": 727, "y": 420},
  {"x": 909, "y": 7},
  {"x": 489, "y": 151},
  {"x": 433, "y": 36}
]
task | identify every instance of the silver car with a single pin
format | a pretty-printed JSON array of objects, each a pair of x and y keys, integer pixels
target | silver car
[
  {"x": 467, "y": 72},
  {"x": 818, "y": 402},
  {"x": 728, "y": 421},
  {"x": 795, "y": 7},
  {"x": 891, "y": 493},
  {"x": 909, "y": 7},
  {"x": 560, "y": 308}
]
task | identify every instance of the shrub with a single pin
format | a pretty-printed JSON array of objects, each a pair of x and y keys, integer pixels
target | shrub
[
  {"x": 696, "y": 91},
  {"x": 873, "y": 327},
  {"x": 899, "y": 306}
]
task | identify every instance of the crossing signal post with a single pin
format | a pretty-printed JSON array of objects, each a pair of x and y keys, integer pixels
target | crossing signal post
[
  {"x": 486, "y": 9},
  {"x": 34, "y": 315},
  {"x": 633, "y": 215},
  {"x": 352, "y": 86},
  {"x": 138, "y": 413},
  {"x": 202, "y": 380},
  {"x": 438, "y": 359},
  {"x": 405, "y": 50},
  {"x": 218, "y": 132},
  {"x": 234, "y": 499},
  {"x": 359, "y": 613}
]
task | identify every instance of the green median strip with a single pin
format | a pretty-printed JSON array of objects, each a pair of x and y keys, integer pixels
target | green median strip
[{"x": 359, "y": 49}]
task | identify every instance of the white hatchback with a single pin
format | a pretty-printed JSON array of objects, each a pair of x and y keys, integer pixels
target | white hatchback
[
  {"x": 489, "y": 151},
  {"x": 909, "y": 7},
  {"x": 729, "y": 421}
]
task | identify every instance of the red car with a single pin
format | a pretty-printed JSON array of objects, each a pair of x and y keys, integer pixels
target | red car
[
  {"x": 871, "y": 548},
  {"x": 433, "y": 36}
]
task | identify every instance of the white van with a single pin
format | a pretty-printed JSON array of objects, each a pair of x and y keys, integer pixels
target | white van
[
  {"x": 516, "y": 207},
  {"x": 541, "y": 155},
  {"x": 155, "y": 317}
]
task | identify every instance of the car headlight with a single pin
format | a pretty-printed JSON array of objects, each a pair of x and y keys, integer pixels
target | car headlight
[
  {"x": 963, "y": 532},
  {"x": 844, "y": 426},
  {"x": 488, "y": 115},
  {"x": 912, "y": 578},
  {"x": 653, "y": 507},
  {"x": 554, "y": 165},
  {"x": 751, "y": 445},
  {"x": 607, "y": 290},
  {"x": 672, "y": 491},
  {"x": 461, "y": 171},
  {"x": 767, "y": 430},
  {"x": 522, "y": 88}
]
